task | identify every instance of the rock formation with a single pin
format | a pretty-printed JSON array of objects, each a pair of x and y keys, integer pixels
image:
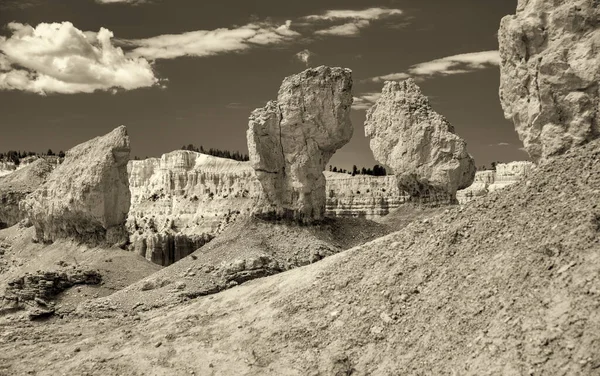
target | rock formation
[
  {"x": 183, "y": 199},
  {"x": 36, "y": 291},
  {"x": 18, "y": 184},
  {"x": 291, "y": 140},
  {"x": 488, "y": 181},
  {"x": 430, "y": 161},
  {"x": 362, "y": 196},
  {"x": 87, "y": 197},
  {"x": 550, "y": 71}
]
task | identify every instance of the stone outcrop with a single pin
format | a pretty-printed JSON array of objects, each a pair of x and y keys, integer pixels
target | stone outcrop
[
  {"x": 87, "y": 197},
  {"x": 16, "y": 186},
  {"x": 430, "y": 161},
  {"x": 492, "y": 180},
  {"x": 36, "y": 291},
  {"x": 291, "y": 140},
  {"x": 183, "y": 199},
  {"x": 362, "y": 196},
  {"x": 550, "y": 69}
]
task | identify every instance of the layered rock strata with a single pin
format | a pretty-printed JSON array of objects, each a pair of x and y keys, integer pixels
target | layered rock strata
[
  {"x": 183, "y": 199},
  {"x": 87, "y": 197},
  {"x": 291, "y": 140},
  {"x": 362, "y": 196},
  {"x": 488, "y": 181},
  {"x": 429, "y": 160},
  {"x": 550, "y": 69},
  {"x": 16, "y": 186}
]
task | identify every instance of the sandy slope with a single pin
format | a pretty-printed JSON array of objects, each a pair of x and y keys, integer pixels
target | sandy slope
[{"x": 508, "y": 285}]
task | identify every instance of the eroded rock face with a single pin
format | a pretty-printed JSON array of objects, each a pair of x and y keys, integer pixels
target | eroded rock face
[
  {"x": 16, "y": 186},
  {"x": 429, "y": 160},
  {"x": 183, "y": 199},
  {"x": 488, "y": 181},
  {"x": 291, "y": 140},
  {"x": 87, "y": 197},
  {"x": 362, "y": 196},
  {"x": 550, "y": 69}
]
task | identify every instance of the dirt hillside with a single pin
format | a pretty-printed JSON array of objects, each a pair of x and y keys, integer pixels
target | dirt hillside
[{"x": 508, "y": 285}]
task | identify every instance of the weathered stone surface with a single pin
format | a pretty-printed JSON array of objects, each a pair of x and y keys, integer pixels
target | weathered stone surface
[
  {"x": 362, "y": 196},
  {"x": 291, "y": 140},
  {"x": 183, "y": 199},
  {"x": 407, "y": 136},
  {"x": 87, "y": 197},
  {"x": 550, "y": 69},
  {"x": 15, "y": 186},
  {"x": 488, "y": 181},
  {"x": 36, "y": 291}
]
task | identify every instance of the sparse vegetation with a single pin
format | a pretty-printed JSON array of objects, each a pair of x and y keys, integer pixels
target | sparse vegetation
[{"x": 237, "y": 156}]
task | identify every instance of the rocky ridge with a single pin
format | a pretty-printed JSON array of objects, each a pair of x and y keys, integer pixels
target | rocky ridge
[
  {"x": 291, "y": 140},
  {"x": 86, "y": 197},
  {"x": 419, "y": 145},
  {"x": 550, "y": 71}
]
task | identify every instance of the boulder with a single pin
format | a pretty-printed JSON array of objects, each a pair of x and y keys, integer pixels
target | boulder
[
  {"x": 429, "y": 160},
  {"x": 87, "y": 197},
  {"x": 291, "y": 140},
  {"x": 16, "y": 186},
  {"x": 550, "y": 69}
]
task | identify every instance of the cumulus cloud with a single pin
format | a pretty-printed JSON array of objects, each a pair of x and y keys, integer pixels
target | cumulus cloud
[
  {"x": 369, "y": 14},
  {"x": 305, "y": 56},
  {"x": 457, "y": 64},
  {"x": 203, "y": 43},
  {"x": 59, "y": 58},
  {"x": 365, "y": 101}
]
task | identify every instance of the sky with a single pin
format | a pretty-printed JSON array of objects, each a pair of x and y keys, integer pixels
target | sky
[{"x": 177, "y": 72}]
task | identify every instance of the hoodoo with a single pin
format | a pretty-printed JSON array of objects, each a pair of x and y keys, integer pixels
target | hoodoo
[
  {"x": 550, "y": 69},
  {"x": 291, "y": 140},
  {"x": 87, "y": 197},
  {"x": 429, "y": 160}
]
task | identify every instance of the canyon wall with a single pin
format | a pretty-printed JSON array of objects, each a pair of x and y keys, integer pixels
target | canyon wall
[
  {"x": 490, "y": 180},
  {"x": 183, "y": 199},
  {"x": 362, "y": 195}
]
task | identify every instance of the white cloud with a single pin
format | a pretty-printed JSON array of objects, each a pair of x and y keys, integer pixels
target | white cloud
[
  {"x": 503, "y": 144},
  {"x": 59, "y": 58},
  {"x": 365, "y": 101},
  {"x": 304, "y": 56},
  {"x": 346, "y": 30},
  {"x": 353, "y": 20},
  {"x": 457, "y": 64},
  {"x": 365, "y": 14},
  {"x": 203, "y": 43}
]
